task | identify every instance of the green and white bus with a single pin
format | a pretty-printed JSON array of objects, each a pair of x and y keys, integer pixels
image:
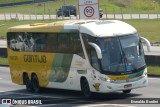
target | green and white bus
[{"x": 86, "y": 55}]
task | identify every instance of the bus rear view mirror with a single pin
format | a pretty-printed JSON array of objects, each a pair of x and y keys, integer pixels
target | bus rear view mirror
[
  {"x": 97, "y": 48},
  {"x": 147, "y": 42}
]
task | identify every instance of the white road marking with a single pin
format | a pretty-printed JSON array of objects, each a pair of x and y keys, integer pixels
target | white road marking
[
  {"x": 44, "y": 105},
  {"x": 2, "y": 91},
  {"x": 32, "y": 95},
  {"x": 5, "y": 93},
  {"x": 87, "y": 105},
  {"x": 3, "y": 67},
  {"x": 38, "y": 95},
  {"x": 105, "y": 105},
  {"x": 154, "y": 78}
]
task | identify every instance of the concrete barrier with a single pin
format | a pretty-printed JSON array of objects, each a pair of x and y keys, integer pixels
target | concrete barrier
[
  {"x": 3, "y": 52},
  {"x": 152, "y": 60}
]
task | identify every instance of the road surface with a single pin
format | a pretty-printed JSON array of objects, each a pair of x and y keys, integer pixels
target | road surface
[
  {"x": 8, "y": 16},
  {"x": 55, "y": 97},
  {"x": 3, "y": 44}
]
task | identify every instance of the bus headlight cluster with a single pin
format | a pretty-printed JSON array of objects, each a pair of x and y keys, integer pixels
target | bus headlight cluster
[
  {"x": 145, "y": 73},
  {"x": 104, "y": 79}
]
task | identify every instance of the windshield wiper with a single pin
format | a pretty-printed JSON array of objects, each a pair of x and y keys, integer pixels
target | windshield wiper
[
  {"x": 123, "y": 56},
  {"x": 140, "y": 47},
  {"x": 125, "y": 60}
]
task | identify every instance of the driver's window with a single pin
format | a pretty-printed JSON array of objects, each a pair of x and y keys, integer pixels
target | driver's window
[
  {"x": 91, "y": 52},
  {"x": 94, "y": 60}
]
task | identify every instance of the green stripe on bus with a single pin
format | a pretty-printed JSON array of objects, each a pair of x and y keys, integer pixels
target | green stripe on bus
[
  {"x": 135, "y": 74},
  {"x": 60, "y": 67}
]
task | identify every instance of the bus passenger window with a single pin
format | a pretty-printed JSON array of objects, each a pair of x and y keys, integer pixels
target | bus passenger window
[
  {"x": 52, "y": 42},
  {"x": 63, "y": 43},
  {"x": 40, "y": 42},
  {"x": 75, "y": 44}
]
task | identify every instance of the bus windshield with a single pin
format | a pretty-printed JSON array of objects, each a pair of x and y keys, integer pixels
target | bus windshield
[{"x": 121, "y": 54}]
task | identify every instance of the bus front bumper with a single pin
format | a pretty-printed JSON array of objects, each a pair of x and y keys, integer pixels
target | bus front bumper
[{"x": 112, "y": 86}]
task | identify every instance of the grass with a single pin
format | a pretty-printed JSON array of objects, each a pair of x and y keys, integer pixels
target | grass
[
  {"x": 3, "y": 60},
  {"x": 153, "y": 69},
  {"x": 11, "y": 1},
  {"x": 111, "y": 6},
  {"x": 132, "y": 6},
  {"x": 7, "y": 24},
  {"x": 146, "y": 28},
  {"x": 38, "y": 8}
]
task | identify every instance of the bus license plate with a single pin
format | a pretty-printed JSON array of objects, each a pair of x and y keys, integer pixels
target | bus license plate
[{"x": 127, "y": 85}]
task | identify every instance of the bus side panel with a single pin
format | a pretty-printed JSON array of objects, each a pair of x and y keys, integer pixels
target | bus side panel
[
  {"x": 16, "y": 76},
  {"x": 82, "y": 69},
  {"x": 60, "y": 67},
  {"x": 15, "y": 72},
  {"x": 78, "y": 68},
  {"x": 30, "y": 62},
  {"x": 60, "y": 71}
]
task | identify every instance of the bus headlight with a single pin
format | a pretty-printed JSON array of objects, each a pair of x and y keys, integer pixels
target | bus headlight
[
  {"x": 145, "y": 73},
  {"x": 104, "y": 79}
]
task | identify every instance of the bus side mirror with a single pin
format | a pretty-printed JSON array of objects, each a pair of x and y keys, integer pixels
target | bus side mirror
[
  {"x": 97, "y": 48},
  {"x": 147, "y": 43}
]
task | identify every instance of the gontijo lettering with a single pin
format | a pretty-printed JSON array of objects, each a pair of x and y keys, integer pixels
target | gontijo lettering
[{"x": 35, "y": 58}]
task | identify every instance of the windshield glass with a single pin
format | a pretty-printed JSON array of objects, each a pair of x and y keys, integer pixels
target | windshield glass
[{"x": 121, "y": 54}]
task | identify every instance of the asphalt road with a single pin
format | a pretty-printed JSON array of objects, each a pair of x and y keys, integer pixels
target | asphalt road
[
  {"x": 8, "y": 16},
  {"x": 57, "y": 97}
]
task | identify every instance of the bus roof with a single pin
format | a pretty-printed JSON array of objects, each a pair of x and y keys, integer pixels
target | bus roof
[{"x": 98, "y": 28}]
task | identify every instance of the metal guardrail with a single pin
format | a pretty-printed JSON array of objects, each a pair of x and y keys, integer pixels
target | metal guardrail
[{"x": 155, "y": 43}]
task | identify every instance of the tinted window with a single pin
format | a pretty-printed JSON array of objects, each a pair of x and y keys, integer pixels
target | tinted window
[
  {"x": 69, "y": 7},
  {"x": 92, "y": 55},
  {"x": 65, "y": 43},
  {"x": 52, "y": 45},
  {"x": 27, "y": 42},
  {"x": 46, "y": 42}
]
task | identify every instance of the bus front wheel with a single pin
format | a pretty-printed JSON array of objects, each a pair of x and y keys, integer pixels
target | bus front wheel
[
  {"x": 85, "y": 88},
  {"x": 35, "y": 84},
  {"x": 126, "y": 91},
  {"x": 28, "y": 83}
]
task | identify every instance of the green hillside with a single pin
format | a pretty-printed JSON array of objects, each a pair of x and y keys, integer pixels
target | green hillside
[
  {"x": 146, "y": 28},
  {"x": 111, "y": 6},
  {"x": 12, "y": 1}
]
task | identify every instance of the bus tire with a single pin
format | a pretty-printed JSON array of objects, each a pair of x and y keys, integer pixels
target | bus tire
[
  {"x": 85, "y": 88},
  {"x": 35, "y": 84},
  {"x": 28, "y": 83},
  {"x": 126, "y": 91}
]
